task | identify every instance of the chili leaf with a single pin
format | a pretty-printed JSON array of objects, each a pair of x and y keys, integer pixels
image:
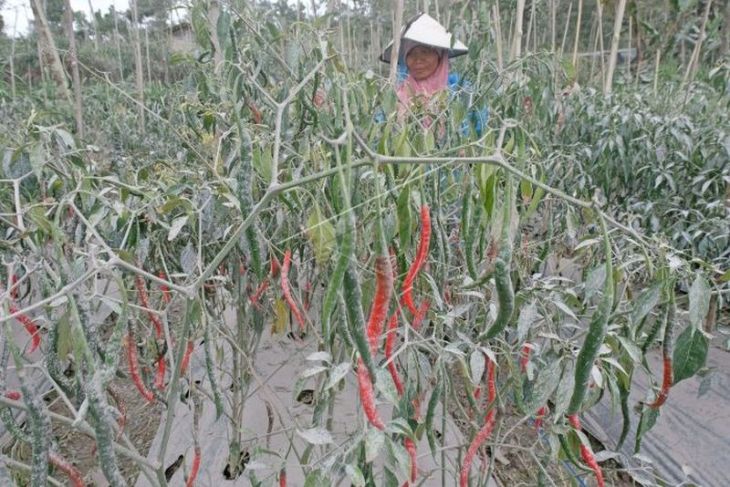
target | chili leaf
[
  {"x": 699, "y": 301},
  {"x": 547, "y": 381},
  {"x": 690, "y": 353},
  {"x": 322, "y": 235}
]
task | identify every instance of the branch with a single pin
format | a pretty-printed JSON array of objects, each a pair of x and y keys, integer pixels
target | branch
[
  {"x": 83, "y": 428},
  {"x": 498, "y": 160},
  {"x": 22, "y": 466}
]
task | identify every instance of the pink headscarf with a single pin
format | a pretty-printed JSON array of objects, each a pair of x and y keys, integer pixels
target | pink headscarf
[{"x": 436, "y": 82}]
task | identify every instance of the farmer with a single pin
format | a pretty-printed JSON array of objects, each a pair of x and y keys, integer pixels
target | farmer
[{"x": 426, "y": 85}]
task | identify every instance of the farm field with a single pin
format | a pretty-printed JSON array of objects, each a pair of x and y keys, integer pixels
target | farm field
[{"x": 234, "y": 251}]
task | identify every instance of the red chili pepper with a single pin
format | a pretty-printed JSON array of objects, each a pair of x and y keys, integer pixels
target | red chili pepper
[
  {"x": 447, "y": 294},
  {"x": 420, "y": 314},
  {"x": 30, "y": 326},
  {"x": 256, "y": 297},
  {"x": 486, "y": 429},
  {"x": 492, "y": 250},
  {"x": 667, "y": 381},
  {"x": 194, "y": 469},
  {"x": 166, "y": 294},
  {"x": 307, "y": 295},
  {"x": 275, "y": 266},
  {"x": 421, "y": 254},
  {"x": 13, "y": 395},
  {"x": 287, "y": 291},
  {"x": 417, "y": 406},
  {"x": 282, "y": 478},
  {"x": 367, "y": 395},
  {"x": 134, "y": 369},
  {"x": 525, "y": 357},
  {"x": 411, "y": 449},
  {"x": 586, "y": 453},
  {"x": 73, "y": 474},
  {"x": 389, "y": 345},
  {"x": 160, "y": 373},
  {"x": 491, "y": 384},
  {"x": 186, "y": 357},
  {"x": 145, "y": 303},
  {"x": 255, "y": 113},
  {"x": 541, "y": 413},
  {"x": 13, "y": 287},
  {"x": 379, "y": 310}
]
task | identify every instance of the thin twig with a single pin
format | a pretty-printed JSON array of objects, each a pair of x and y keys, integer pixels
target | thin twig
[{"x": 83, "y": 428}]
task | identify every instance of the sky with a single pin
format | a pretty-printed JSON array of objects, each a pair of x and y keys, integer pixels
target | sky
[{"x": 25, "y": 17}]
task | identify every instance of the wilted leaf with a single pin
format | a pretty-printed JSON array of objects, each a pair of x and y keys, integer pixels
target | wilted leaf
[
  {"x": 322, "y": 235},
  {"x": 312, "y": 371},
  {"x": 398, "y": 458},
  {"x": 319, "y": 356},
  {"x": 528, "y": 317},
  {"x": 177, "y": 225},
  {"x": 476, "y": 366},
  {"x": 188, "y": 258},
  {"x": 699, "y": 301},
  {"x": 316, "y": 436},
  {"x": 546, "y": 382},
  {"x": 374, "y": 441},
  {"x": 356, "y": 476},
  {"x": 646, "y": 301},
  {"x": 385, "y": 385},
  {"x": 337, "y": 374},
  {"x": 565, "y": 389}
]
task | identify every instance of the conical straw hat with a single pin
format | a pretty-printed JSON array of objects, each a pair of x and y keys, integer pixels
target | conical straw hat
[{"x": 424, "y": 29}]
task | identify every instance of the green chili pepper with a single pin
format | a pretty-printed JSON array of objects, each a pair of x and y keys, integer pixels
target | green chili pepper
[{"x": 596, "y": 332}]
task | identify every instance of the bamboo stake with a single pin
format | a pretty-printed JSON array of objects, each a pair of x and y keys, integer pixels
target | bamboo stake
[
  {"x": 497, "y": 21},
  {"x": 577, "y": 37},
  {"x": 147, "y": 53},
  {"x": 599, "y": 4},
  {"x": 516, "y": 49},
  {"x": 73, "y": 59},
  {"x": 12, "y": 55},
  {"x": 529, "y": 24},
  {"x": 96, "y": 26},
  {"x": 656, "y": 70},
  {"x": 566, "y": 29},
  {"x": 725, "y": 41},
  {"x": 534, "y": 32},
  {"x": 694, "y": 59},
  {"x": 213, "y": 14},
  {"x": 47, "y": 49},
  {"x": 139, "y": 75},
  {"x": 628, "y": 50},
  {"x": 116, "y": 38},
  {"x": 553, "y": 25},
  {"x": 639, "y": 47},
  {"x": 395, "y": 51},
  {"x": 618, "y": 21},
  {"x": 594, "y": 35}
]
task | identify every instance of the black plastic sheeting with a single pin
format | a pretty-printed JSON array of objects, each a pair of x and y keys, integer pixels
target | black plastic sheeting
[{"x": 690, "y": 442}]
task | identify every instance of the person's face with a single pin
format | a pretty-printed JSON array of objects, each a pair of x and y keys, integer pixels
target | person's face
[{"x": 422, "y": 62}]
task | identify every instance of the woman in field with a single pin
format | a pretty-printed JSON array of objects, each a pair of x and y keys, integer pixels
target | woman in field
[{"x": 427, "y": 87}]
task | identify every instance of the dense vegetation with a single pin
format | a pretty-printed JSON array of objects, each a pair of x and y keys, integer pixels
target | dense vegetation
[{"x": 248, "y": 173}]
